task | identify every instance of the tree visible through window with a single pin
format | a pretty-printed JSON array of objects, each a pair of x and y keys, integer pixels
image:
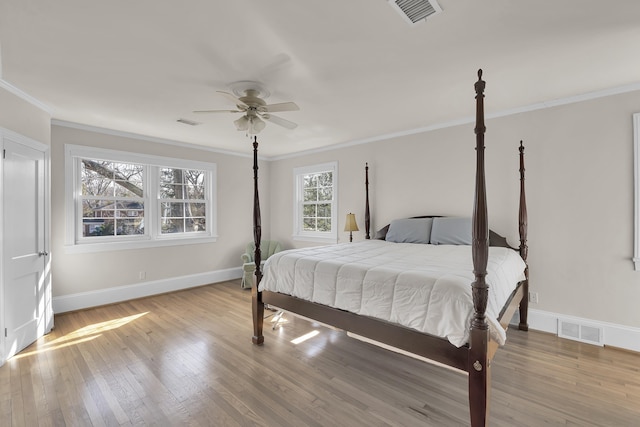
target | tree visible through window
[
  {"x": 182, "y": 200},
  {"x": 127, "y": 200},
  {"x": 316, "y": 202},
  {"x": 318, "y": 197},
  {"x": 112, "y": 198}
]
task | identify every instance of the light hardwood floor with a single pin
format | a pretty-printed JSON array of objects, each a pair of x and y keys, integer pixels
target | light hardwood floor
[{"x": 186, "y": 358}]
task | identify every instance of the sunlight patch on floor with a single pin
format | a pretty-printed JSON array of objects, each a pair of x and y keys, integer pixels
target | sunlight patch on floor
[
  {"x": 305, "y": 337},
  {"x": 84, "y": 334}
]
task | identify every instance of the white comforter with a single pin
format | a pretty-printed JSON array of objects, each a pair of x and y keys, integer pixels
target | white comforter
[{"x": 424, "y": 287}]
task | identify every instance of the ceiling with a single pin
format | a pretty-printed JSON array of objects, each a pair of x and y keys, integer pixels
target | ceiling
[{"x": 355, "y": 68}]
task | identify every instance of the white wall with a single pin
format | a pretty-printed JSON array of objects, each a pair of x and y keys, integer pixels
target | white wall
[
  {"x": 579, "y": 189},
  {"x": 22, "y": 116},
  {"x": 101, "y": 273}
]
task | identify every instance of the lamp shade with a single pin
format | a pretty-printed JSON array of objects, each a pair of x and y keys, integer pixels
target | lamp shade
[{"x": 351, "y": 225}]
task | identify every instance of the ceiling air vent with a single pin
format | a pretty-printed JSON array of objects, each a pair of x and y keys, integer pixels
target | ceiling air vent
[
  {"x": 188, "y": 122},
  {"x": 415, "y": 11}
]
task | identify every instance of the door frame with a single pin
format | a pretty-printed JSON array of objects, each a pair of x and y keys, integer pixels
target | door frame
[{"x": 6, "y": 134}]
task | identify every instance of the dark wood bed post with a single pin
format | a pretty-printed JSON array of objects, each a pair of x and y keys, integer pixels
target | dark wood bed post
[
  {"x": 256, "y": 297},
  {"x": 479, "y": 367},
  {"x": 367, "y": 216},
  {"x": 524, "y": 249}
]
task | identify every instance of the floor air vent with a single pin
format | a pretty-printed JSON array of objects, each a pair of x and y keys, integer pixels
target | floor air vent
[
  {"x": 580, "y": 332},
  {"x": 415, "y": 11}
]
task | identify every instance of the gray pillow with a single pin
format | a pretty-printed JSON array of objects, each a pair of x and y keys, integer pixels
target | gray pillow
[
  {"x": 382, "y": 233},
  {"x": 409, "y": 230},
  {"x": 451, "y": 231}
]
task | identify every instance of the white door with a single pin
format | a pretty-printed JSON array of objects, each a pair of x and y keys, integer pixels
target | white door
[{"x": 25, "y": 256}]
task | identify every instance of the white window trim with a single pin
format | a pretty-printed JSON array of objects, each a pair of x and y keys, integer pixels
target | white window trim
[
  {"x": 636, "y": 180},
  {"x": 150, "y": 239},
  {"x": 298, "y": 232}
]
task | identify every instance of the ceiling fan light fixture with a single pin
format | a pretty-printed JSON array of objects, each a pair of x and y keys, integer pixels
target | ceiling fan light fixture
[
  {"x": 255, "y": 110},
  {"x": 242, "y": 124},
  {"x": 256, "y": 125}
]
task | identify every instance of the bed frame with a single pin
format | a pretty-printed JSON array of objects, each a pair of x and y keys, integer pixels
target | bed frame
[{"x": 475, "y": 357}]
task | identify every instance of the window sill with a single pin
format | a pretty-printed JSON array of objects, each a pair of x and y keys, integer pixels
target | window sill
[{"x": 85, "y": 248}]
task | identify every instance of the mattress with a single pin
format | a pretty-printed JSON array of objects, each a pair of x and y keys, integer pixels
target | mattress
[{"x": 419, "y": 286}]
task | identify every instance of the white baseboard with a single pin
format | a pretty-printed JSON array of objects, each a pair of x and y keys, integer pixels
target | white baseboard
[
  {"x": 621, "y": 336},
  {"x": 83, "y": 300}
]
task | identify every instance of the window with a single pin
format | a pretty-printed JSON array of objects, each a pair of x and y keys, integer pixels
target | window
[
  {"x": 183, "y": 203},
  {"x": 118, "y": 200},
  {"x": 316, "y": 203},
  {"x": 112, "y": 198}
]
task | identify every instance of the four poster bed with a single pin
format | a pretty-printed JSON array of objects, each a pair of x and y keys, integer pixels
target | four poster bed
[{"x": 417, "y": 299}]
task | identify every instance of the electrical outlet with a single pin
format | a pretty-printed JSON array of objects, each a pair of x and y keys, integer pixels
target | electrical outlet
[
  {"x": 533, "y": 297},
  {"x": 142, "y": 275}
]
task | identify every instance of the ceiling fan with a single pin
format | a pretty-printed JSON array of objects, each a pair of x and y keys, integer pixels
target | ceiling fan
[{"x": 249, "y": 99}]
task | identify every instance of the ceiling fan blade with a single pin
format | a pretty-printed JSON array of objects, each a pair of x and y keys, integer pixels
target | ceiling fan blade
[
  {"x": 235, "y": 100},
  {"x": 218, "y": 111},
  {"x": 283, "y": 106},
  {"x": 279, "y": 121}
]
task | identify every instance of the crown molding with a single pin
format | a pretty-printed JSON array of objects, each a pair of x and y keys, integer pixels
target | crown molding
[
  {"x": 471, "y": 119},
  {"x": 113, "y": 132},
  {"x": 25, "y": 96}
]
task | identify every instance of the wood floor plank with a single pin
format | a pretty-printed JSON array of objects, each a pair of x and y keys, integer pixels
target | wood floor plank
[{"x": 186, "y": 358}]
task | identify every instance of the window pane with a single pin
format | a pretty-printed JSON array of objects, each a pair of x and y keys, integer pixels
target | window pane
[
  {"x": 325, "y": 193},
  {"x": 129, "y": 226},
  {"x": 309, "y": 224},
  {"x": 309, "y": 210},
  {"x": 105, "y": 209},
  {"x": 94, "y": 208},
  {"x": 310, "y": 181},
  {"x": 324, "y": 224},
  {"x": 310, "y": 195},
  {"x": 172, "y": 210},
  {"x": 171, "y": 191},
  {"x": 130, "y": 210},
  {"x": 195, "y": 209},
  {"x": 325, "y": 179},
  {"x": 172, "y": 226},
  {"x": 195, "y": 225},
  {"x": 94, "y": 184},
  {"x": 97, "y": 227},
  {"x": 193, "y": 177},
  {"x": 170, "y": 176},
  {"x": 128, "y": 178},
  {"x": 324, "y": 210},
  {"x": 126, "y": 189},
  {"x": 195, "y": 192}
]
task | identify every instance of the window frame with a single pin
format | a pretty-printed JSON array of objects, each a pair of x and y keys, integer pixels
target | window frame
[
  {"x": 75, "y": 242},
  {"x": 636, "y": 182},
  {"x": 298, "y": 198}
]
